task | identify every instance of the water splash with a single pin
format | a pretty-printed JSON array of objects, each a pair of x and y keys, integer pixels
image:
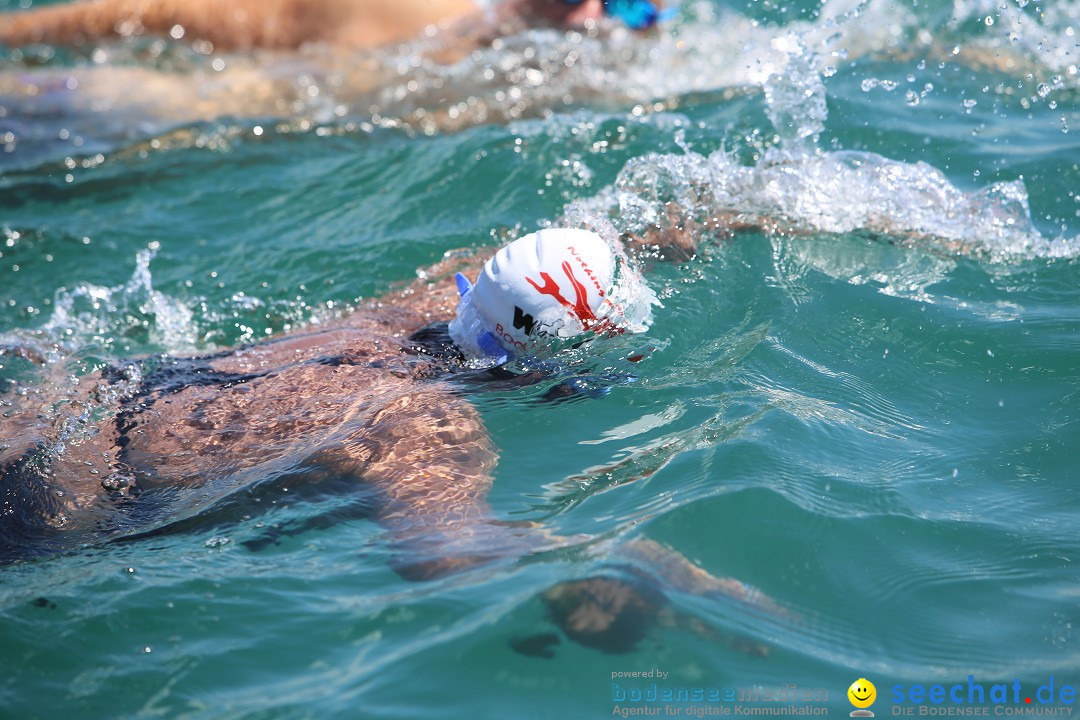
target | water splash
[
  {"x": 88, "y": 317},
  {"x": 795, "y": 98},
  {"x": 539, "y": 72},
  {"x": 796, "y": 188}
]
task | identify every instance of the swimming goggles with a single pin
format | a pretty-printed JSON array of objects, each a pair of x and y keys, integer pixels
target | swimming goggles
[{"x": 637, "y": 14}]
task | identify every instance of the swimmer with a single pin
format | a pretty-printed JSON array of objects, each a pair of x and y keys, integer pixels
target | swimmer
[
  {"x": 288, "y": 24},
  {"x": 373, "y": 404},
  {"x": 307, "y": 60}
]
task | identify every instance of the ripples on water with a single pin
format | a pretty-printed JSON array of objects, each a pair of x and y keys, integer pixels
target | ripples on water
[{"x": 868, "y": 413}]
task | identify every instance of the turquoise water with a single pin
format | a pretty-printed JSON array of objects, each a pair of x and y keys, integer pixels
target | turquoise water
[{"x": 871, "y": 418}]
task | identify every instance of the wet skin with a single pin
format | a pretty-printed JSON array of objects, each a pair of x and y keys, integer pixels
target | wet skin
[
  {"x": 352, "y": 400},
  {"x": 278, "y": 24},
  {"x": 281, "y": 46},
  {"x": 344, "y": 399}
]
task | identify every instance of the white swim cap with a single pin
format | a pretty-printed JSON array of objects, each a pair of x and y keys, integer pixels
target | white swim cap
[{"x": 551, "y": 285}]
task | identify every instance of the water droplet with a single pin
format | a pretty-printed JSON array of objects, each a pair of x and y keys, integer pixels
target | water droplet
[
  {"x": 912, "y": 98},
  {"x": 1043, "y": 89},
  {"x": 868, "y": 84}
]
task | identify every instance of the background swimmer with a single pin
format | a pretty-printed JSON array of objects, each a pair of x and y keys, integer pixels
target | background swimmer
[
  {"x": 284, "y": 24},
  {"x": 282, "y": 59},
  {"x": 367, "y": 405}
]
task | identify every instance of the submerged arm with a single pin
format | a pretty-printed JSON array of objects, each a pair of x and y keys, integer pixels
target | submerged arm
[
  {"x": 429, "y": 461},
  {"x": 676, "y": 236}
]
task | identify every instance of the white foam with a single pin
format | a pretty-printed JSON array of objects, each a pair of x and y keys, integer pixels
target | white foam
[
  {"x": 541, "y": 71},
  {"x": 706, "y": 49},
  {"x": 839, "y": 192}
]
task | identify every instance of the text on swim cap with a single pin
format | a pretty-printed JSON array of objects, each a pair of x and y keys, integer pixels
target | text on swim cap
[
  {"x": 608, "y": 325},
  {"x": 506, "y": 337},
  {"x": 523, "y": 320},
  {"x": 585, "y": 267}
]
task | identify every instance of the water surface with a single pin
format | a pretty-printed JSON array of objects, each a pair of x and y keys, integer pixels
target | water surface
[{"x": 871, "y": 417}]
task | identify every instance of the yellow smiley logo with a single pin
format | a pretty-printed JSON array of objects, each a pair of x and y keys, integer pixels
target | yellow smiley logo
[{"x": 862, "y": 694}]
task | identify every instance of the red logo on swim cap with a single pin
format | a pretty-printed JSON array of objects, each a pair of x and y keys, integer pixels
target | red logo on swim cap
[{"x": 580, "y": 307}]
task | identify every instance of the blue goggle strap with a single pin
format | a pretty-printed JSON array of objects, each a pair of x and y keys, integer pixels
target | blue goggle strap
[
  {"x": 487, "y": 342},
  {"x": 636, "y": 14}
]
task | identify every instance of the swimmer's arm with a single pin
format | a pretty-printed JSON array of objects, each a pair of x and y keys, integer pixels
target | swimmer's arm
[
  {"x": 429, "y": 461},
  {"x": 239, "y": 24},
  {"x": 228, "y": 24},
  {"x": 676, "y": 236}
]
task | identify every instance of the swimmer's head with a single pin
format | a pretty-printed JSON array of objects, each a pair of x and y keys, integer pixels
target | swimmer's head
[
  {"x": 635, "y": 14},
  {"x": 545, "y": 290}
]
